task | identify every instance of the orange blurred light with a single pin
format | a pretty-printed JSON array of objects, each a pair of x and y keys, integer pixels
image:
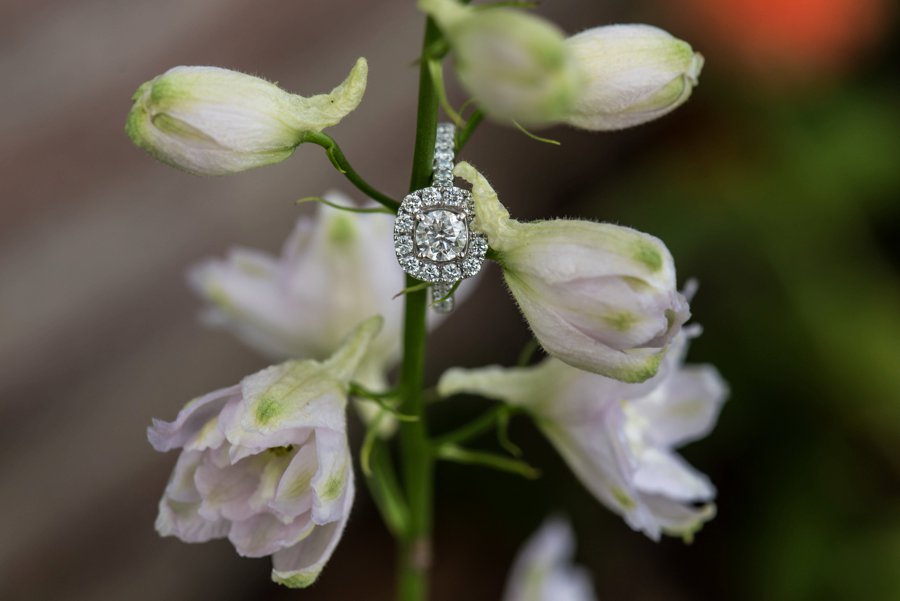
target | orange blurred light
[{"x": 795, "y": 38}]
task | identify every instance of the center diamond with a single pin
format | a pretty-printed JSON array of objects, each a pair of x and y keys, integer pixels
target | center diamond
[{"x": 441, "y": 235}]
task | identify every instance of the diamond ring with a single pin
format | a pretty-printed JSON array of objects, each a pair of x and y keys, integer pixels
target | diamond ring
[{"x": 433, "y": 233}]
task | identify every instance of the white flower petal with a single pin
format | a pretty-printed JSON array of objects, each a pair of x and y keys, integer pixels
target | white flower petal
[
  {"x": 294, "y": 494},
  {"x": 181, "y": 485},
  {"x": 264, "y": 534},
  {"x": 300, "y": 565},
  {"x": 561, "y": 338},
  {"x": 226, "y": 491},
  {"x": 331, "y": 480},
  {"x": 529, "y": 387},
  {"x": 191, "y": 420},
  {"x": 685, "y": 407},
  {"x": 678, "y": 519},
  {"x": 183, "y": 520},
  {"x": 592, "y": 451},
  {"x": 667, "y": 474}
]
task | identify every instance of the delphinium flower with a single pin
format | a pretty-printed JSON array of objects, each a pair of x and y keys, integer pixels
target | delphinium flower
[
  {"x": 335, "y": 269},
  {"x": 211, "y": 121},
  {"x": 619, "y": 438},
  {"x": 598, "y": 296},
  {"x": 543, "y": 569},
  {"x": 266, "y": 463}
]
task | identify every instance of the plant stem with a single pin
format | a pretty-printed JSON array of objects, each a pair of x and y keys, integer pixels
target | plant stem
[
  {"x": 337, "y": 158},
  {"x": 418, "y": 463},
  {"x": 491, "y": 460},
  {"x": 385, "y": 490},
  {"x": 472, "y": 429},
  {"x": 463, "y": 135}
]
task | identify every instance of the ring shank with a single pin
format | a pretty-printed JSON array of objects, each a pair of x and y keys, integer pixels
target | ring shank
[{"x": 443, "y": 155}]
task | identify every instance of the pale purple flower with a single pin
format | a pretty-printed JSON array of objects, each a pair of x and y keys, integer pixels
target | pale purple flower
[
  {"x": 266, "y": 463},
  {"x": 543, "y": 569},
  {"x": 597, "y": 296},
  {"x": 620, "y": 438},
  {"x": 335, "y": 269}
]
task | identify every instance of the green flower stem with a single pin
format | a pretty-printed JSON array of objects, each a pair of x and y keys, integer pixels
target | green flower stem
[
  {"x": 472, "y": 429},
  {"x": 463, "y": 135},
  {"x": 491, "y": 460},
  {"x": 386, "y": 491},
  {"x": 417, "y": 460},
  {"x": 340, "y": 162}
]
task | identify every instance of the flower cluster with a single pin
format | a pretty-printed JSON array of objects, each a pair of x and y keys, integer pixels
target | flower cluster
[
  {"x": 521, "y": 67},
  {"x": 267, "y": 464}
]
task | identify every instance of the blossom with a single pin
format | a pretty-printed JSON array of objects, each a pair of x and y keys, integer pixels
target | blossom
[
  {"x": 335, "y": 269},
  {"x": 634, "y": 74},
  {"x": 515, "y": 65},
  {"x": 211, "y": 121},
  {"x": 266, "y": 463},
  {"x": 619, "y": 438},
  {"x": 598, "y": 296},
  {"x": 542, "y": 570}
]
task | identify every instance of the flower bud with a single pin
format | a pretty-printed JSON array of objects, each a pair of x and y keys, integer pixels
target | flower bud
[
  {"x": 211, "y": 121},
  {"x": 634, "y": 74},
  {"x": 516, "y": 66},
  {"x": 598, "y": 296}
]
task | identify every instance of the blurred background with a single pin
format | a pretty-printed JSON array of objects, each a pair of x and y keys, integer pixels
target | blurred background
[{"x": 777, "y": 186}]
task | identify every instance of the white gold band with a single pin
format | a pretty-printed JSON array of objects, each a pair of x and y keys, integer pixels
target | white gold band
[{"x": 443, "y": 155}]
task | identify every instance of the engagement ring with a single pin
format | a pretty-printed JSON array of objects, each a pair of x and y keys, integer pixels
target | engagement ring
[{"x": 433, "y": 233}]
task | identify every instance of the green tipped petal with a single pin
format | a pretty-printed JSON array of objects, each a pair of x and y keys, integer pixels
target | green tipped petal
[
  {"x": 345, "y": 362},
  {"x": 491, "y": 217},
  {"x": 318, "y": 112}
]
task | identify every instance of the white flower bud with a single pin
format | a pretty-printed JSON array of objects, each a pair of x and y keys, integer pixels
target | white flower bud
[
  {"x": 634, "y": 73},
  {"x": 516, "y": 66},
  {"x": 598, "y": 296},
  {"x": 211, "y": 121}
]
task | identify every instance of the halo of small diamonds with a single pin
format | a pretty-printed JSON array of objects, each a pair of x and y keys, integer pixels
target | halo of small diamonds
[{"x": 433, "y": 235}]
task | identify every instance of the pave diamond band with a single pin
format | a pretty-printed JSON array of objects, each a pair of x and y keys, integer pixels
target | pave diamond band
[
  {"x": 443, "y": 154},
  {"x": 433, "y": 235}
]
